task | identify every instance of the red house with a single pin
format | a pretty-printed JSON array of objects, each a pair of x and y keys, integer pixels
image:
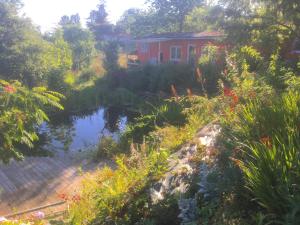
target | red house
[{"x": 174, "y": 47}]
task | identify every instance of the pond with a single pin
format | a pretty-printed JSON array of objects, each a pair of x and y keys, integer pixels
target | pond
[{"x": 82, "y": 132}]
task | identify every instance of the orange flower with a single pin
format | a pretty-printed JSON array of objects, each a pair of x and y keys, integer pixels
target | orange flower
[
  {"x": 236, "y": 161},
  {"x": 174, "y": 91},
  {"x": 266, "y": 140},
  {"x": 235, "y": 99},
  {"x": 189, "y": 92},
  {"x": 63, "y": 197}
]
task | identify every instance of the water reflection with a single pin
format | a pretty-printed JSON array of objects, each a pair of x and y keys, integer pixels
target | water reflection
[{"x": 80, "y": 132}]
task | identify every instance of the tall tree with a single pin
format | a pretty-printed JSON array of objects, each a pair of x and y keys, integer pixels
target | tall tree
[
  {"x": 24, "y": 54},
  {"x": 70, "y": 20},
  {"x": 138, "y": 22},
  {"x": 174, "y": 11},
  {"x": 98, "y": 23},
  {"x": 204, "y": 18},
  {"x": 82, "y": 45},
  {"x": 264, "y": 23}
]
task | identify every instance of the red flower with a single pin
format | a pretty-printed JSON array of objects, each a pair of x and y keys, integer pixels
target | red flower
[
  {"x": 76, "y": 198},
  {"x": 227, "y": 91},
  {"x": 63, "y": 197},
  {"x": 235, "y": 99},
  {"x": 9, "y": 89}
]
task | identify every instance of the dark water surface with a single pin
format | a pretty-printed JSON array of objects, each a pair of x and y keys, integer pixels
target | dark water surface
[{"x": 78, "y": 133}]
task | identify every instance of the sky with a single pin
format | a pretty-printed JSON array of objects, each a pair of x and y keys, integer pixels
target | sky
[{"x": 47, "y": 13}]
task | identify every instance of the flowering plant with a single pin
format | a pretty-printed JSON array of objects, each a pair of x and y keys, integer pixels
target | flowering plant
[{"x": 21, "y": 111}]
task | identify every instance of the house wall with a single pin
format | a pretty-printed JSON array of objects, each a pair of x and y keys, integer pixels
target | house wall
[{"x": 152, "y": 55}]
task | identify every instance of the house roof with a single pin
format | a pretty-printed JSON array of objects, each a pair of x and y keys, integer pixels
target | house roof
[{"x": 181, "y": 36}]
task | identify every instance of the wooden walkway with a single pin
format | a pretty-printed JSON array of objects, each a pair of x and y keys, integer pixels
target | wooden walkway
[{"x": 40, "y": 181}]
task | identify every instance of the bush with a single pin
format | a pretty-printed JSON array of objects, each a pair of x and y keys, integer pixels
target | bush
[
  {"x": 107, "y": 147},
  {"x": 60, "y": 80},
  {"x": 154, "y": 79},
  {"x": 120, "y": 196},
  {"x": 86, "y": 75},
  {"x": 269, "y": 156},
  {"x": 169, "y": 112},
  {"x": 211, "y": 64},
  {"x": 21, "y": 111}
]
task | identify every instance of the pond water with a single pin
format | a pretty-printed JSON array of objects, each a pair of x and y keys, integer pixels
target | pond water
[{"x": 77, "y": 133}]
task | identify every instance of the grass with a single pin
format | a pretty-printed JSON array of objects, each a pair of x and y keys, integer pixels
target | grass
[{"x": 119, "y": 195}]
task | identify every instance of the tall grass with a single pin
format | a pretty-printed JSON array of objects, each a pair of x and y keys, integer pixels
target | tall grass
[
  {"x": 120, "y": 196},
  {"x": 268, "y": 134}
]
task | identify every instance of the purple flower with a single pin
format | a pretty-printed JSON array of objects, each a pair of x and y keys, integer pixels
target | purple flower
[{"x": 39, "y": 215}]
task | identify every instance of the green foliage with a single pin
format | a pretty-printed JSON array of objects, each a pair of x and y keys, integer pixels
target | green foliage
[
  {"x": 21, "y": 111},
  {"x": 111, "y": 50},
  {"x": 98, "y": 22},
  {"x": 25, "y": 55},
  {"x": 203, "y": 18},
  {"x": 82, "y": 45},
  {"x": 173, "y": 12},
  {"x": 269, "y": 158},
  {"x": 120, "y": 196},
  {"x": 211, "y": 64},
  {"x": 170, "y": 112},
  {"x": 107, "y": 147}
]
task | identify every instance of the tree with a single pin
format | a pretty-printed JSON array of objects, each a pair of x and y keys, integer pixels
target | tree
[
  {"x": 174, "y": 11},
  {"x": 82, "y": 45},
  {"x": 21, "y": 110},
  {"x": 138, "y": 22},
  {"x": 70, "y": 20},
  {"x": 98, "y": 23},
  {"x": 24, "y": 54},
  {"x": 204, "y": 18},
  {"x": 263, "y": 23}
]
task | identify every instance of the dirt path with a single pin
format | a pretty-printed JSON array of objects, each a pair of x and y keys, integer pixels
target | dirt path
[{"x": 41, "y": 181}]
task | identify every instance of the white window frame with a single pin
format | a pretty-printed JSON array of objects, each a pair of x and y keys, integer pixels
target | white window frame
[{"x": 175, "y": 59}]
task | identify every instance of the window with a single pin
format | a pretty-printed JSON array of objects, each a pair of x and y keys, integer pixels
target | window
[
  {"x": 144, "y": 47},
  {"x": 175, "y": 53}
]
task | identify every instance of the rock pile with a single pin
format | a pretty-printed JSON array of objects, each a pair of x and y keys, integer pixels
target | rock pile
[{"x": 182, "y": 169}]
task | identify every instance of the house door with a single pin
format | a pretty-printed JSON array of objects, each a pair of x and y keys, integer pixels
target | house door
[
  {"x": 161, "y": 57},
  {"x": 191, "y": 55}
]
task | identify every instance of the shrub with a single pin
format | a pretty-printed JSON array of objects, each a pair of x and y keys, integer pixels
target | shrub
[
  {"x": 169, "y": 112},
  {"x": 154, "y": 79},
  {"x": 86, "y": 75},
  {"x": 60, "y": 80},
  {"x": 211, "y": 64},
  {"x": 269, "y": 156},
  {"x": 107, "y": 147},
  {"x": 21, "y": 111},
  {"x": 69, "y": 78},
  {"x": 120, "y": 196}
]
